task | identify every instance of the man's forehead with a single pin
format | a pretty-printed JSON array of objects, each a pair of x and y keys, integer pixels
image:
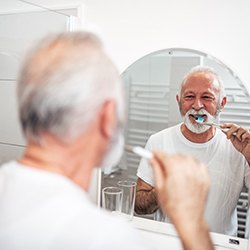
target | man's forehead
[
  {"x": 202, "y": 76},
  {"x": 202, "y": 80}
]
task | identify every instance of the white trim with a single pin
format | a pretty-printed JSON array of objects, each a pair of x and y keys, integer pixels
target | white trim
[
  {"x": 74, "y": 22},
  {"x": 153, "y": 229},
  {"x": 31, "y": 8}
]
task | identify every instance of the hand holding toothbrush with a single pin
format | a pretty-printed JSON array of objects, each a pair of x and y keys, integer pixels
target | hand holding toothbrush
[
  {"x": 240, "y": 137},
  {"x": 181, "y": 184}
]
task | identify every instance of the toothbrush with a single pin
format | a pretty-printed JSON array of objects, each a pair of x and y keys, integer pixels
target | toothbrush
[
  {"x": 200, "y": 120},
  {"x": 139, "y": 151}
]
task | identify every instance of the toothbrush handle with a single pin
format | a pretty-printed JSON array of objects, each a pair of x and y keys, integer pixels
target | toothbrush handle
[
  {"x": 216, "y": 126},
  {"x": 219, "y": 127}
]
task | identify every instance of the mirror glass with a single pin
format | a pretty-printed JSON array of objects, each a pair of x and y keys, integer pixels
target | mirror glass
[{"x": 151, "y": 85}]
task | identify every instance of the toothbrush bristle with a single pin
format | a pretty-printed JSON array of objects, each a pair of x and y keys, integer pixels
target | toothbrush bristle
[{"x": 199, "y": 119}]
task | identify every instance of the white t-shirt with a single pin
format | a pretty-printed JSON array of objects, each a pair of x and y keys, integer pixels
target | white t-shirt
[
  {"x": 228, "y": 170},
  {"x": 43, "y": 210}
]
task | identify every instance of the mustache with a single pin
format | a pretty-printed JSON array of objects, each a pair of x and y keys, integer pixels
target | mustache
[{"x": 199, "y": 112}]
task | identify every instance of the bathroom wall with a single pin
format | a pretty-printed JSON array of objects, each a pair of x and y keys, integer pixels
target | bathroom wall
[{"x": 132, "y": 29}]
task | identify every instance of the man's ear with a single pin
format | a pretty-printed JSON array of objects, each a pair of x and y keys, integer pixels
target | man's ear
[
  {"x": 108, "y": 118},
  {"x": 223, "y": 103},
  {"x": 177, "y": 99}
]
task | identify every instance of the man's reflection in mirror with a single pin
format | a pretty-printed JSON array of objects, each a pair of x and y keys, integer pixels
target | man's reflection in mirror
[{"x": 226, "y": 154}]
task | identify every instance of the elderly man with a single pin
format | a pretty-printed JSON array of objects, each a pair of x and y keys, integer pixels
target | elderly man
[
  {"x": 71, "y": 110},
  {"x": 202, "y": 97}
]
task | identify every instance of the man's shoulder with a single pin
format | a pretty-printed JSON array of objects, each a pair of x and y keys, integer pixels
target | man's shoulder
[
  {"x": 8, "y": 167},
  {"x": 165, "y": 132},
  {"x": 99, "y": 224},
  {"x": 9, "y": 164}
]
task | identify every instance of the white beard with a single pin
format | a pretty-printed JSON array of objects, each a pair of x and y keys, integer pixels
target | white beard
[
  {"x": 198, "y": 128},
  {"x": 114, "y": 153}
]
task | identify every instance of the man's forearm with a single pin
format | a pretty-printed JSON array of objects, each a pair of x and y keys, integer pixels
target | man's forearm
[
  {"x": 195, "y": 236},
  {"x": 146, "y": 201}
]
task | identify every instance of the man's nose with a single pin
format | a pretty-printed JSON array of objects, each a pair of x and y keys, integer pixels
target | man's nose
[{"x": 198, "y": 104}]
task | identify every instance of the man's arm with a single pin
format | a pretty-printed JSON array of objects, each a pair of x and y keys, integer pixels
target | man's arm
[
  {"x": 146, "y": 200},
  {"x": 240, "y": 138},
  {"x": 182, "y": 185}
]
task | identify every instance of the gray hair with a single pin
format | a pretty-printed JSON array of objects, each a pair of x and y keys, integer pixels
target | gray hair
[
  {"x": 204, "y": 69},
  {"x": 63, "y": 83}
]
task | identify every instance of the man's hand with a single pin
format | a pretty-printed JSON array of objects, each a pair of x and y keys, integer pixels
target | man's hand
[
  {"x": 182, "y": 185},
  {"x": 240, "y": 137}
]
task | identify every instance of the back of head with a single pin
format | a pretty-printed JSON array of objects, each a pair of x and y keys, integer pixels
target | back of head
[{"x": 63, "y": 83}]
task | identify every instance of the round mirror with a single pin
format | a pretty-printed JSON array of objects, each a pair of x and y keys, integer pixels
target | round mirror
[{"x": 151, "y": 85}]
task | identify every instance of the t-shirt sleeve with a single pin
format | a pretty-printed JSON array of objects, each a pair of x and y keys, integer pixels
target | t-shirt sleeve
[{"x": 144, "y": 170}]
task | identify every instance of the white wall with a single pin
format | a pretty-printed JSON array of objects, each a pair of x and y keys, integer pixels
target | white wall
[{"x": 133, "y": 28}]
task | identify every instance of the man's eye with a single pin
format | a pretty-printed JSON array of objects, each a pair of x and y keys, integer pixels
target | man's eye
[
  {"x": 188, "y": 97},
  {"x": 208, "y": 98}
]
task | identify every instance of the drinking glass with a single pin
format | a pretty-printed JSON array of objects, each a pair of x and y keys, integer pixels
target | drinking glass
[
  {"x": 128, "y": 198},
  {"x": 112, "y": 199}
]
